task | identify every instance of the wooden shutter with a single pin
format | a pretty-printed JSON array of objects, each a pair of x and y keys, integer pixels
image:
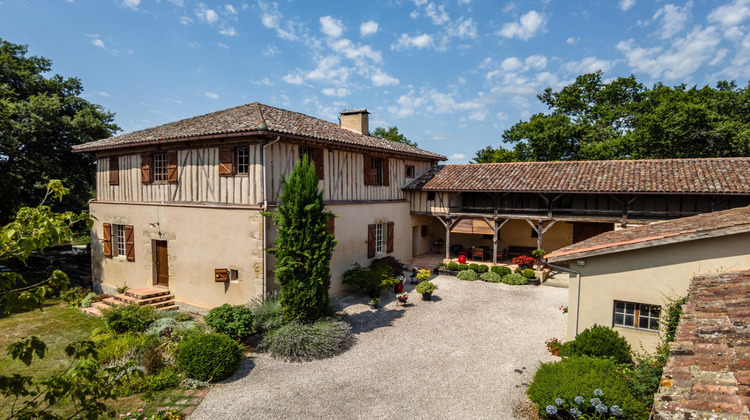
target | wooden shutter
[
  {"x": 390, "y": 237},
  {"x": 330, "y": 225},
  {"x": 317, "y": 157},
  {"x": 107, "y": 239},
  {"x": 114, "y": 171},
  {"x": 221, "y": 275},
  {"x": 172, "y": 167},
  {"x": 370, "y": 241},
  {"x": 146, "y": 168},
  {"x": 386, "y": 173},
  {"x": 226, "y": 157},
  {"x": 129, "y": 243},
  {"x": 368, "y": 171}
]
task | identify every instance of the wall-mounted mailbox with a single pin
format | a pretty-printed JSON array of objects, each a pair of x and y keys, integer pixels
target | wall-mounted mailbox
[{"x": 221, "y": 275}]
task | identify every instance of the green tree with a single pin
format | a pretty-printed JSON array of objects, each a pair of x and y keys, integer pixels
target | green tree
[
  {"x": 41, "y": 118},
  {"x": 303, "y": 247},
  {"x": 392, "y": 134}
]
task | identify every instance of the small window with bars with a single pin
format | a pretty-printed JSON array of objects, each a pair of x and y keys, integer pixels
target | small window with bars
[
  {"x": 243, "y": 160},
  {"x": 159, "y": 161},
  {"x": 637, "y": 315}
]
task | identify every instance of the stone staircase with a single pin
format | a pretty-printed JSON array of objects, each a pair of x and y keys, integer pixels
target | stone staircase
[{"x": 157, "y": 297}]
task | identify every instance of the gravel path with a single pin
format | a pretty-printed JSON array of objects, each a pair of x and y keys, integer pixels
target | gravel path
[{"x": 466, "y": 354}]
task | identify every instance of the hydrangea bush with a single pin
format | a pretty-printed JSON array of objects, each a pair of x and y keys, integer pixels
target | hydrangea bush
[{"x": 582, "y": 408}]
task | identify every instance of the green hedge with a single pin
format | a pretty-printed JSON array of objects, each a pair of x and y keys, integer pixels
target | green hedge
[
  {"x": 491, "y": 277},
  {"x": 469, "y": 275},
  {"x": 209, "y": 357},
  {"x": 601, "y": 342},
  {"x": 234, "y": 321}
]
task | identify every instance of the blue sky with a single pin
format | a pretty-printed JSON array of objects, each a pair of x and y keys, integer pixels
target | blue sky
[{"x": 452, "y": 75}]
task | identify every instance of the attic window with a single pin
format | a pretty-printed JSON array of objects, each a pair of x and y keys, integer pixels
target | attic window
[
  {"x": 159, "y": 161},
  {"x": 315, "y": 156},
  {"x": 430, "y": 195},
  {"x": 410, "y": 171}
]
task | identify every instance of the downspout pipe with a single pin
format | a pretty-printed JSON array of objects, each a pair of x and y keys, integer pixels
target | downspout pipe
[
  {"x": 578, "y": 292},
  {"x": 265, "y": 208}
]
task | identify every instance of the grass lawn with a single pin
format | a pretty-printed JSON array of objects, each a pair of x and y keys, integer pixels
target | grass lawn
[{"x": 58, "y": 326}]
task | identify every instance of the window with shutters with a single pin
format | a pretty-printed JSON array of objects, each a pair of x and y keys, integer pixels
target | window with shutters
[
  {"x": 315, "y": 156},
  {"x": 118, "y": 241},
  {"x": 380, "y": 239},
  {"x": 114, "y": 171},
  {"x": 159, "y": 164},
  {"x": 376, "y": 171},
  {"x": 637, "y": 315},
  {"x": 243, "y": 160}
]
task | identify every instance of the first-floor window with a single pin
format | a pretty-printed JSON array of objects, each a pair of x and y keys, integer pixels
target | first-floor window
[
  {"x": 118, "y": 239},
  {"x": 379, "y": 238},
  {"x": 637, "y": 315}
]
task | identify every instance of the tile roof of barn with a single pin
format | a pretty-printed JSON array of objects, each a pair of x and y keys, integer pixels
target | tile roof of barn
[
  {"x": 249, "y": 119},
  {"x": 725, "y": 222},
  {"x": 698, "y": 176},
  {"x": 708, "y": 372}
]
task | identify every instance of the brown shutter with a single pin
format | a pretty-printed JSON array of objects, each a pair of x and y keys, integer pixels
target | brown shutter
[
  {"x": 129, "y": 243},
  {"x": 386, "y": 173},
  {"x": 114, "y": 171},
  {"x": 221, "y": 275},
  {"x": 146, "y": 168},
  {"x": 330, "y": 225},
  {"x": 226, "y": 155},
  {"x": 172, "y": 167},
  {"x": 107, "y": 239},
  {"x": 370, "y": 241},
  {"x": 368, "y": 177},
  {"x": 390, "y": 237},
  {"x": 317, "y": 158}
]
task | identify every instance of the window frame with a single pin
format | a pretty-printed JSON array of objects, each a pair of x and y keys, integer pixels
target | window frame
[
  {"x": 242, "y": 161},
  {"x": 160, "y": 167},
  {"x": 635, "y": 311},
  {"x": 118, "y": 241},
  {"x": 410, "y": 171},
  {"x": 381, "y": 235}
]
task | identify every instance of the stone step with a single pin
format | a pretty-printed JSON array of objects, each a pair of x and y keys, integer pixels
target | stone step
[
  {"x": 99, "y": 305},
  {"x": 171, "y": 307},
  {"x": 92, "y": 311},
  {"x": 147, "y": 293},
  {"x": 154, "y": 301}
]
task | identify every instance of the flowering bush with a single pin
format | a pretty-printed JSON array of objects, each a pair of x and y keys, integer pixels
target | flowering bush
[
  {"x": 167, "y": 413},
  {"x": 553, "y": 345},
  {"x": 579, "y": 407},
  {"x": 402, "y": 296},
  {"x": 524, "y": 261},
  {"x": 424, "y": 274}
]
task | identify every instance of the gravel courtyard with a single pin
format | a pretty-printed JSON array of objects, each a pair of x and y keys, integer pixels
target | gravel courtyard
[{"x": 469, "y": 353}]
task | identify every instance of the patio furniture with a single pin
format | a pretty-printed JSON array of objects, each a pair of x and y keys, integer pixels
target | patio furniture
[
  {"x": 517, "y": 251},
  {"x": 477, "y": 252}
]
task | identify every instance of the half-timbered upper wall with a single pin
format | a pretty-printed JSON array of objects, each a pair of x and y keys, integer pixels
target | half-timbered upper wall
[{"x": 199, "y": 182}]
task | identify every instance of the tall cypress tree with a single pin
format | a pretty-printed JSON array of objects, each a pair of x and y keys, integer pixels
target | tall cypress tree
[{"x": 303, "y": 247}]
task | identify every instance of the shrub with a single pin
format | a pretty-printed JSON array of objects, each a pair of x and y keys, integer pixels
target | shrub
[
  {"x": 528, "y": 273},
  {"x": 579, "y": 377},
  {"x": 491, "y": 277},
  {"x": 501, "y": 270},
  {"x": 234, "y": 321},
  {"x": 267, "y": 314},
  {"x": 469, "y": 275},
  {"x": 462, "y": 267},
  {"x": 74, "y": 296},
  {"x": 644, "y": 376},
  {"x": 425, "y": 286},
  {"x": 88, "y": 300},
  {"x": 453, "y": 266},
  {"x": 166, "y": 326},
  {"x": 209, "y": 357},
  {"x": 178, "y": 316},
  {"x": 112, "y": 347},
  {"x": 397, "y": 267},
  {"x": 601, "y": 342},
  {"x": 441, "y": 266},
  {"x": 371, "y": 278},
  {"x": 515, "y": 279},
  {"x": 132, "y": 317},
  {"x": 483, "y": 269},
  {"x": 474, "y": 267},
  {"x": 296, "y": 342},
  {"x": 423, "y": 274},
  {"x": 165, "y": 378}
]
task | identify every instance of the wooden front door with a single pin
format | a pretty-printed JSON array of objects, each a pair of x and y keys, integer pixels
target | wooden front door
[
  {"x": 582, "y": 231},
  {"x": 161, "y": 264}
]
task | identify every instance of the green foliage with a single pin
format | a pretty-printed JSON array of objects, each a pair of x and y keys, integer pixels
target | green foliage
[
  {"x": 599, "y": 341},
  {"x": 234, "y": 321},
  {"x": 74, "y": 296},
  {"x": 462, "y": 267},
  {"x": 425, "y": 286},
  {"x": 580, "y": 376},
  {"x": 370, "y": 278},
  {"x": 591, "y": 119},
  {"x": 115, "y": 347},
  {"x": 501, "y": 270},
  {"x": 41, "y": 117},
  {"x": 423, "y": 274},
  {"x": 482, "y": 269},
  {"x": 267, "y": 313},
  {"x": 166, "y": 378},
  {"x": 166, "y": 326},
  {"x": 298, "y": 342},
  {"x": 397, "y": 267},
  {"x": 644, "y": 376},
  {"x": 391, "y": 133},
  {"x": 209, "y": 357},
  {"x": 469, "y": 275},
  {"x": 474, "y": 267},
  {"x": 671, "y": 317},
  {"x": 528, "y": 273},
  {"x": 178, "y": 316},
  {"x": 491, "y": 277},
  {"x": 453, "y": 266},
  {"x": 515, "y": 279},
  {"x": 133, "y": 317},
  {"x": 88, "y": 300}
]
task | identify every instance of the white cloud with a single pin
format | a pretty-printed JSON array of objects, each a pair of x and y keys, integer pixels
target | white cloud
[
  {"x": 228, "y": 31},
  {"x": 294, "y": 79},
  {"x": 380, "y": 78},
  {"x": 211, "y": 95},
  {"x": 536, "y": 61},
  {"x": 457, "y": 156},
  {"x": 730, "y": 16},
  {"x": 626, "y": 5},
  {"x": 355, "y": 52},
  {"x": 329, "y": 69},
  {"x": 588, "y": 65},
  {"x": 462, "y": 28},
  {"x": 683, "y": 58},
  {"x": 98, "y": 42},
  {"x": 185, "y": 20},
  {"x": 437, "y": 14},
  {"x": 406, "y": 42},
  {"x": 271, "y": 50},
  {"x": 529, "y": 25},
  {"x": 406, "y": 105},
  {"x": 571, "y": 40},
  {"x": 102, "y": 93},
  {"x": 133, "y": 4},
  {"x": 331, "y": 26},
  {"x": 673, "y": 19},
  {"x": 223, "y": 45},
  {"x": 368, "y": 28},
  {"x": 511, "y": 63},
  {"x": 719, "y": 56},
  {"x": 271, "y": 19},
  {"x": 230, "y": 10},
  {"x": 340, "y": 92},
  {"x": 502, "y": 116}
]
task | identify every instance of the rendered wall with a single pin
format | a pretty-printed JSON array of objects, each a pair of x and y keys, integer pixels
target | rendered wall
[
  {"x": 651, "y": 276},
  {"x": 199, "y": 240}
]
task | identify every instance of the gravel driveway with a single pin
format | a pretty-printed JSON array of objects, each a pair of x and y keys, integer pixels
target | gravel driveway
[{"x": 468, "y": 354}]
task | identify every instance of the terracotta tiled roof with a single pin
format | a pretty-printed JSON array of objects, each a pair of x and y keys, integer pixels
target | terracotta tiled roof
[
  {"x": 252, "y": 118},
  {"x": 708, "y": 372},
  {"x": 679, "y": 230},
  {"x": 723, "y": 175}
]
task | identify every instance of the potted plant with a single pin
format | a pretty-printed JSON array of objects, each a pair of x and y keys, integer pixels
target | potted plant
[
  {"x": 374, "y": 303},
  {"x": 426, "y": 288},
  {"x": 553, "y": 345},
  {"x": 524, "y": 261},
  {"x": 402, "y": 297},
  {"x": 399, "y": 286}
]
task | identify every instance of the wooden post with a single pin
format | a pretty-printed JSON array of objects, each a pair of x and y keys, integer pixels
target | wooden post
[
  {"x": 539, "y": 228},
  {"x": 495, "y": 230},
  {"x": 448, "y": 226}
]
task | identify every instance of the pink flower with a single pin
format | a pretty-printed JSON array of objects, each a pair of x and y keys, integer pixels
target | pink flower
[
  {"x": 122, "y": 415},
  {"x": 140, "y": 410}
]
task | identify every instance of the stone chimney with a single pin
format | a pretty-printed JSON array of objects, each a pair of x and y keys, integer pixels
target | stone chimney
[{"x": 356, "y": 120}]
